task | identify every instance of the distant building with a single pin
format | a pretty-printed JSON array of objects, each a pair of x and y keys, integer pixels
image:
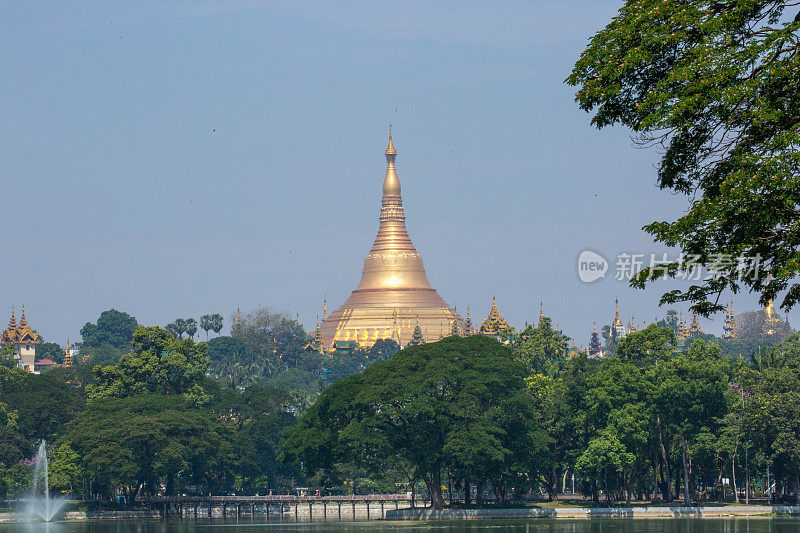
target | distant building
[
  {"x": 595, "y": 347},
  {"x": 729, "y": 329},
  {"x": 394, "y": 287},
  {"x": 417, "y": 337},
  {"x": 694, "y": 328},
  {"x": 23, "y": 339},
  {"x": 468, "y": 325},
  {"x": 494, "y": 324},
  {"x": 618, "y": 326},
  {"x": 70, "y": 355}
]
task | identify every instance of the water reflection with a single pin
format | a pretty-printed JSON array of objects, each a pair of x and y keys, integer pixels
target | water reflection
[{"x": 740, "y": 525}]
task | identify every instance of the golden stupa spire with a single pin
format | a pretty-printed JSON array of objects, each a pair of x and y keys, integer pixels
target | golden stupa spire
[
  {"x": 393, "y": 262},
  {"x": 617, "y": 321},
  {"x": 68, "y": 355},
  {"x": 393, "y": 276}
]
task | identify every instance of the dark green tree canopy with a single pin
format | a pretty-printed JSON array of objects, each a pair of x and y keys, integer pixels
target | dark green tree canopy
[
  {"x": 113, "y": 327},
  {"x": 459, "y": 402},
  {"x": 159, "y": 363},
  {"x": 716, "y": 85},
  {"x": 135, "y": 441}
]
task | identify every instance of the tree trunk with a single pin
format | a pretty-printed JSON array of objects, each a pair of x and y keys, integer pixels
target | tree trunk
[
  {"x": 733, "y": 478},
  {"x": 434, "y": 483},
  {"x": 552, "y": 490},
  {"x": 449, "y": 489},
  {"x": 479, "y": 493},
  {"x": 665, "y": 473},
  {"x": 498, "y": 494},
  {"x": 797, "y": 489},
  {"x": 467, "y": 490},
  {"x": 686, "y": 497},
  {"x": 133, "y": 494}
]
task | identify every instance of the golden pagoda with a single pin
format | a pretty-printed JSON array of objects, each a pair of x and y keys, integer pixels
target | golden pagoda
[
  {"x": 393, "y": 287},
  {"x": 68, "y": 356},
  {"x": 494, "y": 323},
  {"x": 771, "y": 318},
  {"x": 617, "y": 325},
  {"x": 683, "y": 331},
  {"x": 729, "y": 329}
]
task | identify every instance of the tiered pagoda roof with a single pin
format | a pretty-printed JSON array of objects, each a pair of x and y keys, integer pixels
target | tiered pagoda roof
[
  {"x": 20, "y": 333},
  {"x": 417, "y": 338},
  {"x": 68, "y": 356},
  {"x": 695, "y": 328},
  {"x": 729, "y": 329},
  {"x": 683, "y": 331},
  {"x": 494, "y": 324},
  {"x": 468, "y": 324}
]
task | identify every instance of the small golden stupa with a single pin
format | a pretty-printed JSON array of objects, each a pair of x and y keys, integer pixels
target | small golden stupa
[{"x": 394, "y": 296}]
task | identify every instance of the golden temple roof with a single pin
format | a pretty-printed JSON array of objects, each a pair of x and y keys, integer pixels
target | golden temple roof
[
  {"x": 683, "y": 331},
  {"x": 494, "y": 322},
  {"x": 20, "y": 333},
  {"x": 729, "y": 329}
]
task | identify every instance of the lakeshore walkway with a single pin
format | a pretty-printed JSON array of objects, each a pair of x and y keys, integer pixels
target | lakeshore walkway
[
  {"x": 369, "y": 505},
  {"x": 596, "y": 512}
]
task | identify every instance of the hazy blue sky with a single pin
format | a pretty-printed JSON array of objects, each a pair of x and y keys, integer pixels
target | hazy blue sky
[{"x": 182, "y": 158}]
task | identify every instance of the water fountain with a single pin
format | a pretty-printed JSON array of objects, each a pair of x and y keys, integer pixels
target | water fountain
[{"x": 41, "y": 506}]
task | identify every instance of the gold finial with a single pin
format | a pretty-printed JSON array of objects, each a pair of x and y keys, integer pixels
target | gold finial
[{"x": 391, "y": 153}]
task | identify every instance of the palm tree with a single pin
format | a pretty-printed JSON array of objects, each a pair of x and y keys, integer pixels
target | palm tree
[
  {"x": 206, "y": 324},
  {"x": 180, "y": 327},
  {"x": 173, "y": 328},
  {"x": 191, "y": 327},
  {"x": 216, "y": 323}
]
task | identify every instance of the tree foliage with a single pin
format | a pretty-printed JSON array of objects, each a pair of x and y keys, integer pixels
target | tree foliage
[
  {"x": 110, "y": 337},
  {"x": 714, "y": 84},
  {"x": 458, "y": 403},
  {"x": 134, "y": 442},
  {"x": 159, "y": 363}
]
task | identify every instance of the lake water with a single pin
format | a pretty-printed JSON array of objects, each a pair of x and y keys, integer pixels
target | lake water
[{"x": 734, "y": 525}]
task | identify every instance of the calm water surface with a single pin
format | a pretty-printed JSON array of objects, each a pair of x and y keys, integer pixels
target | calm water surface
[{"x": 740, "y": 525}]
